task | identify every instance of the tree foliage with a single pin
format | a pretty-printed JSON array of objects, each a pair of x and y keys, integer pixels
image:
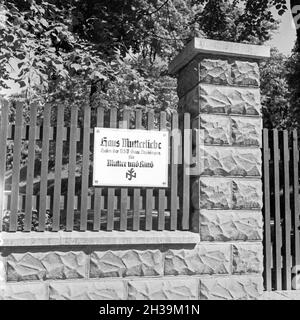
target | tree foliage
[
  {"x": 275, "y": 90},
  {"x": 39, "y": 50},
  {"x": 293, "y": 78},
  {"x": 55, "y": 46}
]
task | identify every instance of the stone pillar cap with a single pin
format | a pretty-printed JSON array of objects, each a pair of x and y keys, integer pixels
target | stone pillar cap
[{"x": 207, "y": 46}]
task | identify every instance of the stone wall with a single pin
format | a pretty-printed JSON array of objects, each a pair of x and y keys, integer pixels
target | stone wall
[
  {"x": 218, "y": 83},
  {"x": 164, "y": 271}
]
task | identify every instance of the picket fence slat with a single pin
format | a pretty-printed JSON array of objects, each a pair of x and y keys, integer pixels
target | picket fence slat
[
  {"x": 267, "y": 212},
  {"x": 111, "y": 191},
  {"x": 278, "y": 236},
  {"x": 72, "y": 169},
  {"x": 30, "y": 168},
  {"x": 16, "y": 168},
  {"x": 175, "y": 145},
  {"x": 149, "y": 191},
  {"x": 287, "y": 215},
  {"x": 3, "y": 136},
  {"x": 85, "y": 167},
  {"x": 124, "y": 191},
  {"x": 187, "y": 150},
  {"x": 98, "y": 191},
  {"x": 162, "y": 192},
  {"x": 296, "y": 199},
  {"x": 58, "y": 167},
  {"x": 136, "y": 191},
  {"x": 44, "y": 168}
]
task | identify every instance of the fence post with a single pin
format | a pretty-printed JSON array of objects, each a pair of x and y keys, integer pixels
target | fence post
[{"x": 218, "y": 84}]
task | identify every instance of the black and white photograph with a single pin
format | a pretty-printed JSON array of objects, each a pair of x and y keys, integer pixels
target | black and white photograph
[{"x": 149, "y": 150}]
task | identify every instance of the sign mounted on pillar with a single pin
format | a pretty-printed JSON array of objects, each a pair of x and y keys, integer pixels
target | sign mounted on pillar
[{"x": 130, "y": 158}]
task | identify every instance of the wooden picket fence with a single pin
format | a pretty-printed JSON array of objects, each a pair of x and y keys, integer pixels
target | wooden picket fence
[
  {"x": 281, "y": 208},
  {"x": 34, "y": 197}
]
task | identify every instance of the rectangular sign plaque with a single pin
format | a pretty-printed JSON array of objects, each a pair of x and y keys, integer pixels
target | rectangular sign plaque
[{"x": 130, "y": 158}]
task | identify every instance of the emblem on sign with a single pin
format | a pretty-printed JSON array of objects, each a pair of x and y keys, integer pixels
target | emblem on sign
[{"x": 130, "y": 174}]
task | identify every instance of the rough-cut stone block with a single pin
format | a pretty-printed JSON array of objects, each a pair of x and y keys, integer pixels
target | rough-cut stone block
[
  {"x": 25, "y": 291},
  {"x": 229, "y": 161},
  {"x": 162, "y": 289},
  {"x": 126, "y": 263},
  {"x": 215, "y": 71},
  {"x": 221, "y": 100},
  {"x": 42, "y": 266},
  {"x": 218, "y": 72},
  {"x": 230, "y": 225},
  {"x": 216, "y": 129},
  {"x": 210, "y": 193},
  {"x": 246, "y": 131},
  {"x": 245, "y": 73},
  {"x": 204, "y": 70},
  {"x": 247, "y": 194},
  {"x": 247, "y": 258},
  {"x": 87, "y": 290},
  {"x": 232, "y": 100},
  {"x": 231, "y": 288},
  {"x": 208, "y": 259},
  {"x": 244, "y": 101}
]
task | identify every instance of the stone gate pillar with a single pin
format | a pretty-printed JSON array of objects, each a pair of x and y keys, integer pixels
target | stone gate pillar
[{"x": 218, "y": 83}]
